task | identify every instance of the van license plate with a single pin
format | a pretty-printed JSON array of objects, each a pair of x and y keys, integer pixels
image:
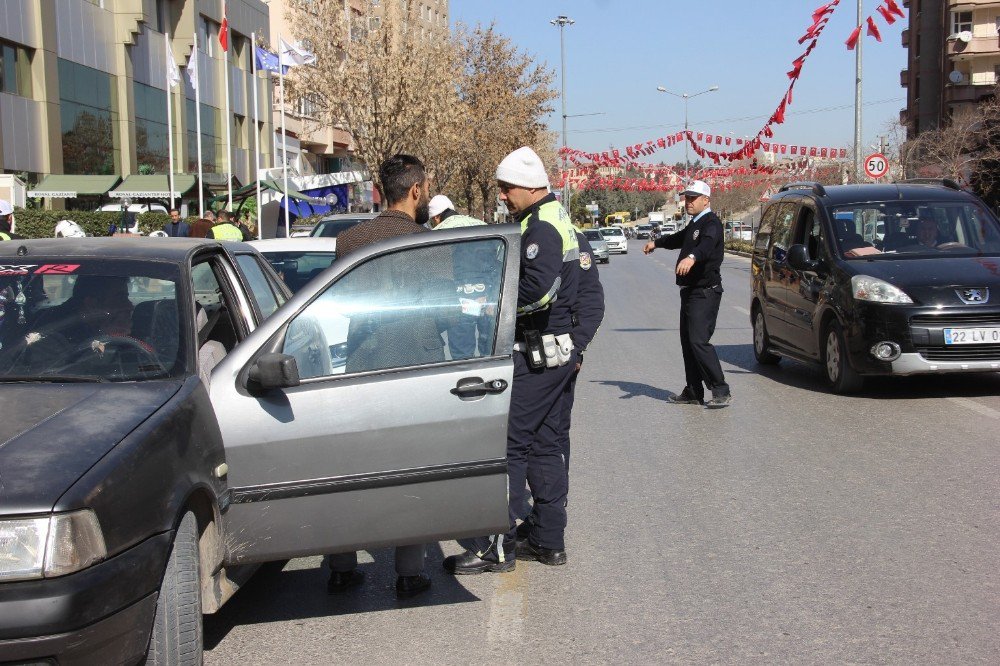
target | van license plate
[{"x": 971, "y": 336}]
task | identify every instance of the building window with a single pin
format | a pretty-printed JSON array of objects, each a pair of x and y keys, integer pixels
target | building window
[
  {"x": 961, "y": 22},
  {"x": 310, "y": 105},
  {"x": 151, "y": 148},
  {"x": 88, "y": 109},
  {"x": 15, "y": 70},
  {"x": 213, "y": 142}
]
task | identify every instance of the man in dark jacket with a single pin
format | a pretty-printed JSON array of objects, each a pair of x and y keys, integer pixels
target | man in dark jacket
[
  {"x": 177, "y": 227},
  {"x": 376, "y": 344},
  {"x": 699, "y": 276}
]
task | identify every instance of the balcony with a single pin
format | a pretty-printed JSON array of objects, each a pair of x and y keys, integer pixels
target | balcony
[
  {"x": 904, "y": 117},
  {"x": 905, "y": 37},
  {"x": 976, "y": 47},
  {"x": 904, "y": 78},
  {"x": 965, "y": 93}
]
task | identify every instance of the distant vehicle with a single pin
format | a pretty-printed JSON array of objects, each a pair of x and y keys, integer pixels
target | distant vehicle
[
  {"x": 668, "y": 227},
  {"x": 823, "y": 293},
  {"x": 621, "y": 217},
  {"x": 644, "y": 231},
  {"x": 657, "y": 217},
  {"x": 133, "y": 208},
  {"x": 616, "y": 239},
  {"x": 738, "y": 231},
  {"x": 334, "y": 225},
  {"x": 597, "y": 243},
  {"x": 297, "y": 260}
]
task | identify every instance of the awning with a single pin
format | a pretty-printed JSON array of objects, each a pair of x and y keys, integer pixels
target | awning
[
  {"x": 153, "y": 187},
  {"x": 70, "y": 186},
  {"x": 250, "y": 190}
]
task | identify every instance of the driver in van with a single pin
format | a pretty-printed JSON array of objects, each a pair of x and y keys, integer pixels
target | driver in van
[{"x": 927, "y": 231}]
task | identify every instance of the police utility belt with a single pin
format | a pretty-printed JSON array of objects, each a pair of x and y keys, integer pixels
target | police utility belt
[{"x": 544, "y": 350}]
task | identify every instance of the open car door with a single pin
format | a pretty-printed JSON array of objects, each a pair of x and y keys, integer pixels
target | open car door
[{"x": 371, "y": 409}]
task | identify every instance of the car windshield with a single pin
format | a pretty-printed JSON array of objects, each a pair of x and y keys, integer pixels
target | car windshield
[
  {"x": 89, "y": 320},
  {"x": 915, "y": 229},
  {"x": 593, "y": 235},
  {"x": 612, "y": 231},
  {"x": 298, "y": 268},
  {"x": 333, "y": 228}
]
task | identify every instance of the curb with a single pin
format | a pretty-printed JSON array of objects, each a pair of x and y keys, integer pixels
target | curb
[{"x": 739, "y": 254}]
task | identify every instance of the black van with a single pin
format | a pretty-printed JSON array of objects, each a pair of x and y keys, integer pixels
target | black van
[{"x": 877, "y": 280}]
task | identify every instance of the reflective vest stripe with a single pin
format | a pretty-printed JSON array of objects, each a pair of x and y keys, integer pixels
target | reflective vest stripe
[
  {"x": 4, "y": 236},
  {"x": 553, "y": 213},
  {"x": 227, "y": 232}
]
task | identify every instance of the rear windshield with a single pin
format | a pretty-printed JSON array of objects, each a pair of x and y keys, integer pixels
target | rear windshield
[
  {"x": 915, "y": 229},
  {"x": 89, "y": 320},
  {"x": 593, "y": 235},
  {"x": 612, "y": 231},
  {"x": 333, "y": 228},
  {"x": 296, "y": 269}
]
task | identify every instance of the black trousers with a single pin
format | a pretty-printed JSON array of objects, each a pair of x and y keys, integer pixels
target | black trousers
[{"x": 699, "y": 310}]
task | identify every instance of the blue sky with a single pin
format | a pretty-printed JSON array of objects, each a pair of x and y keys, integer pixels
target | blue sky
[{"x": 619, "y": 51}]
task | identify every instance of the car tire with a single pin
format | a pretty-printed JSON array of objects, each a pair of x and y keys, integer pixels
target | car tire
[
  {"x": 761, "y": 342},
  {"x": 840, "y": 376},
  {"x": 177, "y": 627}
]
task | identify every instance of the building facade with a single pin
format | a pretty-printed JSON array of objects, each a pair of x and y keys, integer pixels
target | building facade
[
  {"x": 953, "y": 59},
  {"x": 83, "y": 87}
]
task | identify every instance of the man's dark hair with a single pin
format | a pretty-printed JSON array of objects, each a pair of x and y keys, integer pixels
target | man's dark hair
[
  {"x": 398, "y": 174},
  {"x": 174, "y": 209},
  {"x": 223, "y": 216},
  {"x": 5, "y": 223}
]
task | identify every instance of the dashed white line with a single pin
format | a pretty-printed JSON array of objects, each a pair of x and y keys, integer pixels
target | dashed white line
[{"x": 976, "y": 407}]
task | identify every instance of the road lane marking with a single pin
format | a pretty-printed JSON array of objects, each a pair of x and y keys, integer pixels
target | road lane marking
[
  {"x": 976, "y": 407},
  {"x": 743, "y": 310},
  {"x": 508, "y": 607}
]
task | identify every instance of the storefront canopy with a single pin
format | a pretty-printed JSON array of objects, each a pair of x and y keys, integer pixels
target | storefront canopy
[
  {"x": 69, "y": 186},
  {"x": 154, "y": 187},
  {"x": 250, "y": 190}
]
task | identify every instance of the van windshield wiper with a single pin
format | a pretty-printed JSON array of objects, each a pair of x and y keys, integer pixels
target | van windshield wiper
[{"x": 77, "y": 379}]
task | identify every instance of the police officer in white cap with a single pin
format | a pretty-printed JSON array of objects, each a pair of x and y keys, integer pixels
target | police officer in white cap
[
  {"x": 544, "y": 363},
  {"x": 7, "y": 222},
  {"x": 443, "y": 215},
  {"x": 699, "y": 277}
]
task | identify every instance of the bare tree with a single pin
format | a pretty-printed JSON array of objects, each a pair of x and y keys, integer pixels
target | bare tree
[{"x": 387, "y": 84}]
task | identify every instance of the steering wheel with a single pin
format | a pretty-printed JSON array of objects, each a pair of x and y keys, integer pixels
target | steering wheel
[{"x": 146, "y": 362}]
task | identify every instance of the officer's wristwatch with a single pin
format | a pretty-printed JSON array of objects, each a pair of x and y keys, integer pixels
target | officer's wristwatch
[{"x": 692, "y": 257}]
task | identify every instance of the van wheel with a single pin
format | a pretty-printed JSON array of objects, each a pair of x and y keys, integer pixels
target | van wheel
[
  {"x": 177, "y": 628},
  {"x": 840, "y": 376},
  {"x": 762, "y": 343}
]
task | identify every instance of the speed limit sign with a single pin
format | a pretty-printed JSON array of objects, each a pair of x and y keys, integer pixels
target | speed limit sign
[{"x": 876, "y": 166}]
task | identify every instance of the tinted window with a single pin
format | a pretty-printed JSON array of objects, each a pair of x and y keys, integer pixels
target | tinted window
[
  {"x": 333, "y": 228},
  {"x": 593, "y": 235},
  {"x": 413, "y": 307},
  {"x": 296, "y": 269},
  {"x": 90, "y": 320},
  {"x": 781, "y": 230},
  {"x": 259, "y": 285}
]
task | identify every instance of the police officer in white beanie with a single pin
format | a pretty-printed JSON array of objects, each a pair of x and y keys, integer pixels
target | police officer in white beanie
[
  {"x": 443, "y": 215},
  {"x": 7, "y": 222},
  {"x": 544, "y": 363},
  {"x": 699, "y": 276}
]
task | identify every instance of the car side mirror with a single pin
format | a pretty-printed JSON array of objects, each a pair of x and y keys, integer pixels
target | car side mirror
[
  {"x": 798, "y": 258},
  {"x": 273, "y": 371}
]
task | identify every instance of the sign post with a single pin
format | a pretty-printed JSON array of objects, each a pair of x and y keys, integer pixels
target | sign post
[{"x": 876, "y": 166}]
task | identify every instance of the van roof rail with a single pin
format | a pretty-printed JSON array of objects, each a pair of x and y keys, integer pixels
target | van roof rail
[
  {"x": 946, "y": 182},
  {"x": 816, "y": 188}
]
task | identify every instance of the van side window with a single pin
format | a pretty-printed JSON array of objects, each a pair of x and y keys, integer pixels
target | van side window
[
  {"x": 764, "y": 231},
  {"x": 809, "y": 231},
  {"x": 782, "y": 233}
]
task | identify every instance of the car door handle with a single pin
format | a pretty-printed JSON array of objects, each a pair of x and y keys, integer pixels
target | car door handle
[{"x": 476, "y": 386}]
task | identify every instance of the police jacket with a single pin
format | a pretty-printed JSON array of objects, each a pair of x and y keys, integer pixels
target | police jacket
[
  {"x": 703, "y": 239},
  {"x": 230, "y": 232},
  {"x": 589, "y": 311},
  {"x": 550, "y": 268},
  {"x": 6, "y": 236}
]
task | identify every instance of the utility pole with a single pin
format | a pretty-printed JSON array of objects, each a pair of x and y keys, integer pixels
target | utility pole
[
  {"x": 857, "y": 98},
  {"x": 562, "y": 22}
]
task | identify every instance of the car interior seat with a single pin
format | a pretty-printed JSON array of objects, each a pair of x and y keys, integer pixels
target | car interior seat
[
  {"x": 156, "y": 323},
  {"x": 210, "y": 352},
  {"x": 896, "y": 240}
]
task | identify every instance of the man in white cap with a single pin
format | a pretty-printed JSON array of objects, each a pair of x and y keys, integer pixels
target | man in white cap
[
  {"x": 700, "y": 279},
  {"x": 544, "y": 363},
  {"x": 444, "y": 216},
  {"x": 7, "y": 222}
]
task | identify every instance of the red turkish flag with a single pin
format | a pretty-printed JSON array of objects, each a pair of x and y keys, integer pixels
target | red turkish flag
[
  {"x": 873, "y": 30},
  {"x": 843, "y": 152},
  {"x": 729, "y": 140},
  {"x": 739, "y": 142},
  {"x": 886, "y": 14},
  {"x": 661, "y": 143},
  {"x": 812, "y": 151},
  {"x": 852, "y": 41},
  {"x": 701, "y": 136},
  {"x": 708, "y": 139},
  {"x": 894, "y": 8},
  {"x": 822, "y": 152},
  {"x": 224, "y": 30},
  {"x": 795, "y": 150}
]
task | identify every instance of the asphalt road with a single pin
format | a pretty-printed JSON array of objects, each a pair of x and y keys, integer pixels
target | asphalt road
[{"x": 793, "y": 527}]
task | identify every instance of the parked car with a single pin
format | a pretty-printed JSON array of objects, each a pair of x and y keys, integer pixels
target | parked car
[
  {"x": 668, "y": 228},
  {"x": 827, "y": 290},
  {"x": 644, "y": 231},
  {"x": 738, "y": 231},
  {"x": 615, "y": 237},
  {"x": 171, "y": 421},
  {"x": 297, "y": 260},
  {"x": 333, "y": 225},
  {"x": 134, "y": 208},
  {"x": 598, "y": 245}
]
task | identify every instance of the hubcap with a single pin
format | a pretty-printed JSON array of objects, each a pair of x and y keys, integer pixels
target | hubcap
[
  {"x": 758, "y": 333},
  {"x": 832, "y": 356}
]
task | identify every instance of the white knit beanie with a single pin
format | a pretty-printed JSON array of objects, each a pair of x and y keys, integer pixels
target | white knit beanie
[{"x": 523, "y": 168}]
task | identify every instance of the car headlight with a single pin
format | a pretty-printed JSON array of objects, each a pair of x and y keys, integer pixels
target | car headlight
[
  {"x": 867, "y": 288},
  {"x": 50, "y": 546}
]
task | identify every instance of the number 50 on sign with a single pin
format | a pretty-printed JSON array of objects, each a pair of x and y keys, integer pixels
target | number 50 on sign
[{"x": 876, "y": 166}]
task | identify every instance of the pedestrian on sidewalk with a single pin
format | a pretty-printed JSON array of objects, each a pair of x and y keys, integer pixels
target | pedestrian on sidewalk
[{"x": 699, "y": 276}]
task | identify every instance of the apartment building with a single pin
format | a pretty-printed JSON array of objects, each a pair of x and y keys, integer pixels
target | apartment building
[
  {"x": 953, "y": 58},
  {"x": 83, "y": 90},
  {"x": 314, "y": 149}
]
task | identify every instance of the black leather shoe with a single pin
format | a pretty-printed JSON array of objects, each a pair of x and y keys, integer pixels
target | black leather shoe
[
  {"x": 410, "y": 586},
  {"x": 528, "y": 552},
  {"x": 470, "y": 563},
  {"x": 684, "y": 398},
  {"x": 719, "y": 401},
  {"x": 342, "y": 581},
  {"x": 522, "y": 531}
]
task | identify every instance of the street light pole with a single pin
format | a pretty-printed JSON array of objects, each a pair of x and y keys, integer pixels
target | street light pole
[
  {"x": 686, "y": 97},
  {"x": 857, "y": 99},
  {"x": 562, "y": 22}
]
